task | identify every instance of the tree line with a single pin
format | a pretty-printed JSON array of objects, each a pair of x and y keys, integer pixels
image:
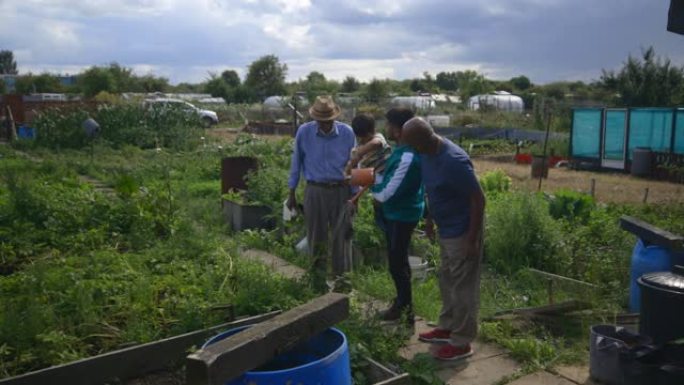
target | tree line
[{"x": 645, "y": 80}]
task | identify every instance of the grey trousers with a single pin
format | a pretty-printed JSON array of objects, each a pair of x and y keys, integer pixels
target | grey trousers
[
  {"x": 459, "y": 285},
  {"x": 322, "y": 209}
]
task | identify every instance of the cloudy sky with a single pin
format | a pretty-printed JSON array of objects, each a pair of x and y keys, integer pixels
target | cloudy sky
[{"x": 184, "y": 40}]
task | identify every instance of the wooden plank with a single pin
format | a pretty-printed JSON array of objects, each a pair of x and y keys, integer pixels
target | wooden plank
[
  {"x": 652, "y": 234},
  {"x": 560, "y": 278},
  {"x": 229, "y": 358},
  {"x": 555, "y": 309},
  {"x": 377, "y": 372},
  {"x": 381, "y": 375},
  {"x": 127, "y": 363},
  {"x": 403, "y": 379}
]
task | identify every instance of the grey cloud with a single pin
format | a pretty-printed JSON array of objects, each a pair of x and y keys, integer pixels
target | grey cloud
[{"x": 545, "y": 39}]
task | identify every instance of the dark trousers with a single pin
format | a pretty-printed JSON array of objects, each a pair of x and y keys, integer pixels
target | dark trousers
[{"x": 398, "y": 241}]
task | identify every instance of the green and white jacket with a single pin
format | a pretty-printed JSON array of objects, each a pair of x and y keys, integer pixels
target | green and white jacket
[{"x": 401, "y": 189}]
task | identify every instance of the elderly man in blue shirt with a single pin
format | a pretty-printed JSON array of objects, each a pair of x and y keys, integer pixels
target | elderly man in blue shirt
[{"x": 321, "y": 152}]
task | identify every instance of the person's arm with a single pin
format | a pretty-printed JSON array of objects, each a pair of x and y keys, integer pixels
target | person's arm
[
  {"x": 389, "y": 187},
  {"x": 295, "y": 171},
  {"x": 429, "y": 223},
  {"x": 474, "y": 234},
  {"x": 361, "y": 151},
  {"x": 465, "y": 181}
]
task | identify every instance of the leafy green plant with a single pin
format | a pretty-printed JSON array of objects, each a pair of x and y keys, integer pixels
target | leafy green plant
[
  {"x": 495, "y": 182},
  {"x": 571, "y": 205},
  {"x": 121, "y": 124}
]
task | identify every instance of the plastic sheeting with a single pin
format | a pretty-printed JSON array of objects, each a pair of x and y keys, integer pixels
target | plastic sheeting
[
  {"x": 614, "y": 136},
  {"x": 586, "y": 133},
  {"x": 651, "y": 128},
  {"x": 512, "y": 134},
  {"x": 679, "y": 133}
]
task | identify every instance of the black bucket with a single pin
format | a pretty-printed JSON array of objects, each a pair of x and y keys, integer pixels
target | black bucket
[
  {"x": 662, "y": 365},
  {"x": 610, "y": 347}
]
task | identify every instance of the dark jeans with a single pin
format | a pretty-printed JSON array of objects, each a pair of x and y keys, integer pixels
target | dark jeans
[
  {"x": 398, "y": 241},
  {"x": 380, "y": 220}
]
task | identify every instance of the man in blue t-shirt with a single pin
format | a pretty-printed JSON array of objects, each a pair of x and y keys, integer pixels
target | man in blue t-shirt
[{"x": 456, "y": 204}]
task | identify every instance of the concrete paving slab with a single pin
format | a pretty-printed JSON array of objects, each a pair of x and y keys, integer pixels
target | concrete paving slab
[
  {"x": 278, "y": 264},
  {"x": 578, "y": 374},
  {"x": 479, "y": 372},
  {"x": 541, "y": 378},
  {"x": 415, "y": 346}
]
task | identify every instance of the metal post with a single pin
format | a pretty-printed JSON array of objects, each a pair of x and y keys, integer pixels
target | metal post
[{"x": 546, "y": 142}]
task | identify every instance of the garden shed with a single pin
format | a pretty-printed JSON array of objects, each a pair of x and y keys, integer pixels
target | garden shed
[{"x": 608, "y": 137}]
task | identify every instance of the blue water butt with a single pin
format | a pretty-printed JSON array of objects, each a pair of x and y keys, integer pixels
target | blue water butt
[
  {"x": 322, "y": 360},
  {"x": 645, "y": 259}
]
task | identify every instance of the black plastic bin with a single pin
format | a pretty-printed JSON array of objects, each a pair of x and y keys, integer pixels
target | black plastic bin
[{"x": 662, "y": 305}]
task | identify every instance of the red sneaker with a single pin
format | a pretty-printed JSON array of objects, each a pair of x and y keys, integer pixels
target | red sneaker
[
  {"x": 435, "y": 335},
  {"x": 450, "y": 352}
]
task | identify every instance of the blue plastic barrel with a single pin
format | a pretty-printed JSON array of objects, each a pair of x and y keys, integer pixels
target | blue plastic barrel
[
  {"x": 645, "y": 259},
  {"x": 25, "y": 132},
  {"x": 323, "y": 359}
]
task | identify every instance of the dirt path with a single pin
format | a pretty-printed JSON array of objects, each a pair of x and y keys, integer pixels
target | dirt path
[{"x": 610, "y": 187}]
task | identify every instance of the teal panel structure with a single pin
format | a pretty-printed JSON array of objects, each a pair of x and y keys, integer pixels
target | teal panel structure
[
  {"x": 679, "y": 133},
  {"x": 650, "y": 127},
  {"x": 586, "y": 133},
  {"x": 614, "y": 135}
]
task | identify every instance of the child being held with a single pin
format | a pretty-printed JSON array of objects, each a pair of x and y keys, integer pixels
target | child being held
[{"x": 372, "y": 149}]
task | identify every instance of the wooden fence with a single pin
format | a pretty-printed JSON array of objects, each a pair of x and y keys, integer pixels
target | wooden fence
[{"x": 25, "y": 112}]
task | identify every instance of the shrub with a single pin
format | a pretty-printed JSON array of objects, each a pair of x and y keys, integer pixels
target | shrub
[
  {"x": 558, "y": 147},
  {"x": 521, "y": 233}
]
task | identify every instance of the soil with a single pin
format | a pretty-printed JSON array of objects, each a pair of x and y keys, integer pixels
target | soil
[{"x": 610, "y": 186}]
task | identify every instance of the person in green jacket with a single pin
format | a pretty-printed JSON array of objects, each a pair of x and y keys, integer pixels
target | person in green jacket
[{"x": 401, "y": 194}]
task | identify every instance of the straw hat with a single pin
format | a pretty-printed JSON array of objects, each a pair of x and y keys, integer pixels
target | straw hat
[{"x": 324, "y": 109}]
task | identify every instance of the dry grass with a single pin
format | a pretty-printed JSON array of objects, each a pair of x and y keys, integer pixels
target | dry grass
[{"x": 610, "y": 187}]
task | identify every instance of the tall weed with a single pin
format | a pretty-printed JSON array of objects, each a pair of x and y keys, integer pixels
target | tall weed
[{"x": 520, "y": 233}]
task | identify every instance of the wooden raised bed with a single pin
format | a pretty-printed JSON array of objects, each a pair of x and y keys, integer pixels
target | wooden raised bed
[{"x": 271, "y": 330}]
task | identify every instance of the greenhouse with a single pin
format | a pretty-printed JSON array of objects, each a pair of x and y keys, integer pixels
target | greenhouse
[
  {"x": 608, "y": 137},
  {"x": 499, "y": 100}
]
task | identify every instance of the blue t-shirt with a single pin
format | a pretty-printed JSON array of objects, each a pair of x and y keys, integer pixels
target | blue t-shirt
[{"x": 449, "y": 180}]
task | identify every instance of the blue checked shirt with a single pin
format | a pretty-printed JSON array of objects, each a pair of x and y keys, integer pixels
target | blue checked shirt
[{"x": 321, "y": 157}]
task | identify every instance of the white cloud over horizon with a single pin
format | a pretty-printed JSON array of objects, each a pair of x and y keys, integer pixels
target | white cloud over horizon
[{"x": 547, "y": 40}]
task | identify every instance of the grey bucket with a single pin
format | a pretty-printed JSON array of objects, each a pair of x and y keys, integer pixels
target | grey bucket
[{"x": 609, "y": 345}]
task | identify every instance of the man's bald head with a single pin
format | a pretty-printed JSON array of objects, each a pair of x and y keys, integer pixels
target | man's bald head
[{"x": 418, "y": 134}]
